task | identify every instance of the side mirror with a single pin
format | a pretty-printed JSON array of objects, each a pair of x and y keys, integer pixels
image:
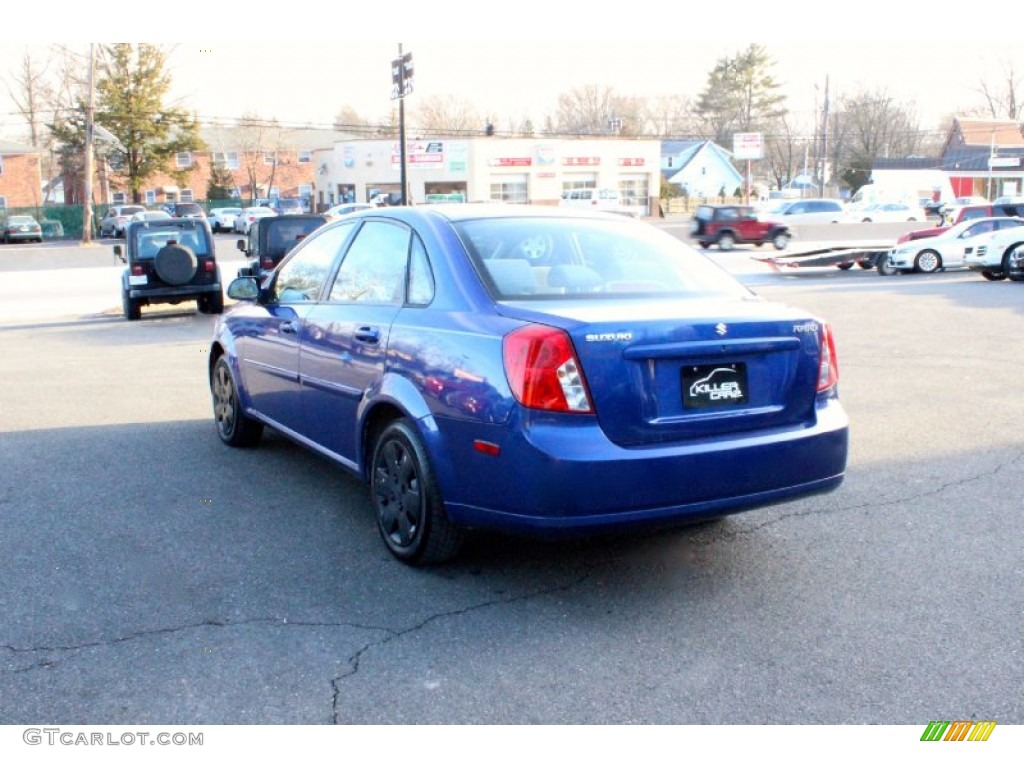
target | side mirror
[
  {"x": 119, "y": 253},
  {"x": 244, "y": 289}
]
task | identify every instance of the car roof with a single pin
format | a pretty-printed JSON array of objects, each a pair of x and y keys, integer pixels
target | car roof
[{"x": 455, "y": 212}]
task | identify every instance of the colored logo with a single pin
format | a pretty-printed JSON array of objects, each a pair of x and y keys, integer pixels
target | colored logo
[{"x": 958, "y": 730}]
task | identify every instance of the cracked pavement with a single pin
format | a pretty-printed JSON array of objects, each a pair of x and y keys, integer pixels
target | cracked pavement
[{"x": 149, "y": 575}]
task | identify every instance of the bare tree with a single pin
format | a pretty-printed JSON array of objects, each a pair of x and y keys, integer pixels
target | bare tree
[
  {"x": 874, "y": 125},
  {"x": 439, "y": 115},
  {"x": 1002, "y": 99},
  {"x": 349, "y": 120},
  {"x": 670, "y": 116},
  {"x": 258, "y": 138},
  {"x": 786, "y": 148},
  {"x": 29, "y": 95},
  {"x": 595, "y": 110}
]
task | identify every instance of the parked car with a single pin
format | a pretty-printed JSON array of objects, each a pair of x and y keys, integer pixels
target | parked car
[
  {"x": 223, "y": 219},
  {"x": 598, "y": 200},
  {"x": 727, "y": 225},
  {"x": 958, "y": 213},
  {"x": 168, "y": 262},
  {"x": 114, "y": 220},
  {"x": 528, "y": 368},
  {"x": 270, "y": 239},
  {"x": 809, "y": 211},
  {"x": 995, "y": 258},
  {"x": 20, "y": 228},
  {"x": 890, "y": 212},
  {"x": 159, "y": 215},
  {"x": 187, "y": 211},
  {"x": 284, "y": 206},
  {"x": 344, "y": 208},
  {"x": 946, "y": 250},
  {"x": 248, "y": 215}
]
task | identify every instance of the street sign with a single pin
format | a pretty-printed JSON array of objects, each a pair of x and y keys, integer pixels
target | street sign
[{"x": 747, "y": 146}]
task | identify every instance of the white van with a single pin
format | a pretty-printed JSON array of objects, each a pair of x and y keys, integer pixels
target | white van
[{"x": 598, "y": 200}]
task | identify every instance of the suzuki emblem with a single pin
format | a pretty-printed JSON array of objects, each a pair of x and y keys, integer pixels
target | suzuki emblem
[{"x": 721, "y": 329}]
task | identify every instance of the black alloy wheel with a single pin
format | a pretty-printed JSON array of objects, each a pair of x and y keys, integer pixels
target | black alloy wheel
[{"x": 408, "y": 506}]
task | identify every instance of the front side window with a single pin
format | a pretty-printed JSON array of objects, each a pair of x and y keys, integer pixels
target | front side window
[
  {"x": 301, "y": 278},
  {"x": 373, "y": 271}
]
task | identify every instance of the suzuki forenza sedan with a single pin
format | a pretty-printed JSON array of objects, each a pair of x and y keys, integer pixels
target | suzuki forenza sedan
[{"x": 529, "y": 370}]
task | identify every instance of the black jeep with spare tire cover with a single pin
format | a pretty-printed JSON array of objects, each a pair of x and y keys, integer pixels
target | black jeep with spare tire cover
[{"x": 169, "y": 262}]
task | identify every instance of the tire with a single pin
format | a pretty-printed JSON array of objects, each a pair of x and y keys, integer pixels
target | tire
[
  {"x": 726, "y": 242},
  {"x": 865, "y": 221},
  {"x": 884, "y": 265},
  {"x": 703, "y": 243},
  {"x": 927, "y": 261},
  {"x": 780, "y": 241},
  {"x": 1006, "y": 260},
  {"x": 175, "y": 264},
  {"x": 407, "y": 503},
  {"x": 991, "y": 274},
  {"x": 130, "y": 307},
  {"x": 845, "y": 265},
  {"x": 215, "y": 303},
  {"x": 866, "y": 264},
  {"x": 233, "y": 427}
]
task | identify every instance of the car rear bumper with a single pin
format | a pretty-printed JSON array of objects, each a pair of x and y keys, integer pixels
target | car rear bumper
[
  {"x": 179, "y": 292},
  {"x": 548, "y": 478}
]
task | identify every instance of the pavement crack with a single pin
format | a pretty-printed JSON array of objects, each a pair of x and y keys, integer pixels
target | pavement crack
[
  {"x": 355, "y": 659},
  {"x": 1011, "y": 462}
]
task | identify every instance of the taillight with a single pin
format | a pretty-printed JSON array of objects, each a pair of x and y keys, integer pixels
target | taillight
[
  {"x": 542, "y": 369},
  {"x": 828, "y": 364},
  {"x": 208, "y": 266},
  {"x": 267, "y": 262},
  {"x": 137, "y": 269}
]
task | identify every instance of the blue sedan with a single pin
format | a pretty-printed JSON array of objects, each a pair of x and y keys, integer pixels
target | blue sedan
[{"x": 529, "y": 369}]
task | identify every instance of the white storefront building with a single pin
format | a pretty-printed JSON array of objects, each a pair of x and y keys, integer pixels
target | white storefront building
[{"x": 520, "y": 170}]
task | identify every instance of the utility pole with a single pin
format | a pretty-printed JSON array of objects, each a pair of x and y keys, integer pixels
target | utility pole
[
  {"x": 87, "y": 186},
  {"x": 401, "y": 86},
  {"x": 824, "y": 141}
]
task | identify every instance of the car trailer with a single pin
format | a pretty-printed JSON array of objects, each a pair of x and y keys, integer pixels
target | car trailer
[{"x": 865, "y": 255}]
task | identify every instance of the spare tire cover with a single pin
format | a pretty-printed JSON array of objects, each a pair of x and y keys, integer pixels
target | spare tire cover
[{"x": 175, "y": 264}]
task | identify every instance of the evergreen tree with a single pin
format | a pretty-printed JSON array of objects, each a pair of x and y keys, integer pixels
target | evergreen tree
[
  {"x": 132, "y": 84},
  {"x": 741, "y": 96}
]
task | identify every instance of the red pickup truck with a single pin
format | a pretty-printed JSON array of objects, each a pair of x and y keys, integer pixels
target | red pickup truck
[{"x": 963, "y": 213}]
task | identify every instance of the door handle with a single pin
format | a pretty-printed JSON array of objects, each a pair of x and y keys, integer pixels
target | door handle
[
  {"x": 287, "y": 327},
  {"x": 368, "y": 334}
]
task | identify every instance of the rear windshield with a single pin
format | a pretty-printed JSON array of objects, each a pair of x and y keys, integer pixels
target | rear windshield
[
  {"x": 551, "y": 258},
  {"x": 188, "y": 208},
  {"x": 284, "y": 233},
  {"x": 148, "y": 242},
  {"x": 289, "y": 205}
]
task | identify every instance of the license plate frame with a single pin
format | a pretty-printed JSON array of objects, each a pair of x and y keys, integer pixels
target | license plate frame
[{"x": 715, "y": 385}]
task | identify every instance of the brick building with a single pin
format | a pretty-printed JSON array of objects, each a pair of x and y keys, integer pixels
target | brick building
[
  {"x": 21, "y": 180},
  {"x": 264, "y": 161}
]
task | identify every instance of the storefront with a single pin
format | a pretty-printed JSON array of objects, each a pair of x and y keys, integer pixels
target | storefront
[{"x": 525, "y": 170}]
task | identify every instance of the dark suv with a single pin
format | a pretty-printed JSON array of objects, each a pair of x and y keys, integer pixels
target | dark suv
[
  {"x": 271, "y": 239},
  {"x": 169, "y": 261},
  {"x": 727, "y": 225}
]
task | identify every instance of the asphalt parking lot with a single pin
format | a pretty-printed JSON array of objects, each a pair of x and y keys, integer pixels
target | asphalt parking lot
[{"x": 153, "y": 576}]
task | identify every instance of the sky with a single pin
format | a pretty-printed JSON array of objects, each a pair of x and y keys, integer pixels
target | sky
[{"x": 512, "y": 60}]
